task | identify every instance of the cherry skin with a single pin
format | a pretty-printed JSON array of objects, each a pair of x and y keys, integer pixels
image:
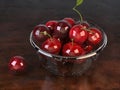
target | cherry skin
[
  {"x": 78, "y": 34},
  {"x": 38, "y": 32},
  {"x": 85, "y": 24},
  {"x": 51, "y": 45},
  {"x": 72, "y": 49},
  {"x": 94, "y": 36},
  {"x": 51, "y": 25},
  {"x": 62, "y": 29},
  {"x": 17, "y": 65},
  {"x": 88, "y": 48},
  {"x": 71, "y": 21}
]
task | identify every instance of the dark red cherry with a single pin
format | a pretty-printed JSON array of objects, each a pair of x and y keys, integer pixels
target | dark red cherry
[
  {"x": 38, "y": 32},
  {"x": 88, "y": 48},
  {"x": 17, "y": 65},
  {"x": 78, "y": 34},
  {"x": 71, "y": 21},
  {"x": 72, "y": 49},
  {"x": 51, "y": 25},
  {"x": 94, "y": 36},
  {"x": 62, "y": 29},
  {"x": 51, "y": 45}
]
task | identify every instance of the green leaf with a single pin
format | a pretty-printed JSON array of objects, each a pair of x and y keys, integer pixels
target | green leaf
[{"x": 79, "y": 2}]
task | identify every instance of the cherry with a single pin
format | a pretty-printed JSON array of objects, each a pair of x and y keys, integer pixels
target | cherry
[
  {"x": 17, "y": 64},
  {"x": 38, "y": 32},
  {"x": 72, "y": 49},
  {"x": 71, "y": 21},
  {"x": 88, "y": 48},
  {"x": 61, "y": 30},
  {"x": 51, "y": 25},
  {"x": 94, "y": 36},
  {"x": 51, "y": 45},
  {"x": 78, "y": 34}
]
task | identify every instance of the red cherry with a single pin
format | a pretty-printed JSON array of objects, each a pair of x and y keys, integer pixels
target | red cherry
[
  {"x": 51, "y": 45},
  {"x": 72, "y": 49},
  {"x": 62, "y": 29},
  {"x": 17, "y": 64},
  {"x": 94, "y": 36},
  {"x": 71, "y": 21},
  {"x": 78, "y": 34},
  {"x": 51, "y": 25},
  {"x": 38, "y": 32}
]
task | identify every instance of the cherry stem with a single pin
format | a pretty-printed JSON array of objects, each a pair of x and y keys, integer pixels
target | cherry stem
[
  {"x": 81, "y": 18},
  {"x": 72, "y": 41},
  {"x": 45, "y": 33},
  {"x": 86, "y": 29}
]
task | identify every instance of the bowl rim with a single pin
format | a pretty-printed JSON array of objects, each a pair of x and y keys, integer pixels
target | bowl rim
[{"x": 59, "y": 57}]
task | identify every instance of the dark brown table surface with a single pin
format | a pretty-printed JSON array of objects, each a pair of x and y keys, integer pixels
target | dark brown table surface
[{"x": 18, "y": 18}]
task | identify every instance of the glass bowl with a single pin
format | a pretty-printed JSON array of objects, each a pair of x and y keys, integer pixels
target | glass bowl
[{"x": 68, "y": 66}]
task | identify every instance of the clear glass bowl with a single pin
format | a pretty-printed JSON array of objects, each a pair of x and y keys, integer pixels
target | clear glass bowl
[{"x": 68, "y": 66}]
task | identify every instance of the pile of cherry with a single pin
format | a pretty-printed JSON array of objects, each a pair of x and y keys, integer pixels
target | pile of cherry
[{"x": 67, "y": 37}]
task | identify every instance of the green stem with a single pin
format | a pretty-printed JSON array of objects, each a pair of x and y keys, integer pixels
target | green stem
[
  {"x": 45, "y": 33},
  {"x": 86, "y": 29},
  {"x": 81, "y": 18}
]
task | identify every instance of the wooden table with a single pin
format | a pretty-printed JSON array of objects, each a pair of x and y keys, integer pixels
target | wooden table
[{"x": 17, "y": 20}]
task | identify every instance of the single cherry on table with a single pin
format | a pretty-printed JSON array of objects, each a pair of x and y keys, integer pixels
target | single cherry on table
[{"x": 17, "y": 64}]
